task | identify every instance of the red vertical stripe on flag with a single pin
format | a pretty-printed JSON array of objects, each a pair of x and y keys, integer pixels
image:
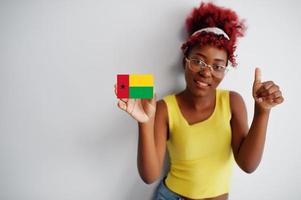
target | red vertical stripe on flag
[{"x": 123, "y": 86}]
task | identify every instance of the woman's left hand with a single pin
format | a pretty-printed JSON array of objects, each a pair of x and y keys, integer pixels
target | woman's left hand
[{"x": 266, "y": 94}]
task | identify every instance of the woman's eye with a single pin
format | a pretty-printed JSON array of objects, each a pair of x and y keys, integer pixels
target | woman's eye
[
  {"x": 201, "y": 63},
  {"x": 196, "y": 62},
  {"x": 218, "y": 67}
]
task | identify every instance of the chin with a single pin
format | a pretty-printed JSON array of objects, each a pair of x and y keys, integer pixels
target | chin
[{"x": 200, "y": 92}]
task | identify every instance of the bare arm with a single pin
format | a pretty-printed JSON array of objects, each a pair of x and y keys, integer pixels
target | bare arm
[
  {"x": 152, "y": 145},
  {"x": 153, "y": 126},
  {"x": 248, "y": 144}
]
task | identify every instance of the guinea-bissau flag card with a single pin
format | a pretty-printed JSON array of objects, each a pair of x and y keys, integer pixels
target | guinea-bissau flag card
[{"x": 135, "y": 86}]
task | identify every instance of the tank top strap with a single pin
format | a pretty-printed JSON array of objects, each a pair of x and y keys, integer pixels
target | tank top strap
[
  {"x": 224, "y": 107},
  {"x": 172, "y": 110}
]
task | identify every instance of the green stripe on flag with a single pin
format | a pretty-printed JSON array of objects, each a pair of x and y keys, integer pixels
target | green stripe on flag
[{"x": 141, "y": 92}]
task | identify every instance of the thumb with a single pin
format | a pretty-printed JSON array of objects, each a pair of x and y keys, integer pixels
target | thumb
[
  {"x": 257, "y": 78},
  {"x": 257, "y": 84},
  {"x": 153, "y": 100}
]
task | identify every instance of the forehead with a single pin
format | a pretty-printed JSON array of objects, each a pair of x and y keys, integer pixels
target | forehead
[{"x": 209, "y": 52}]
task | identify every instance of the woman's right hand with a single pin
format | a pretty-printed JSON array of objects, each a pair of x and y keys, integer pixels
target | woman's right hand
[{"x": 141, "y": 110}]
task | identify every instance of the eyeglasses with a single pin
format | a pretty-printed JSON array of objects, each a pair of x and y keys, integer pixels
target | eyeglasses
[{"x": 197, "y": 65}]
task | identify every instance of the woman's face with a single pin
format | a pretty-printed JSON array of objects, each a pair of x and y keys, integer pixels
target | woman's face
[{"x": 204, "y": 82}]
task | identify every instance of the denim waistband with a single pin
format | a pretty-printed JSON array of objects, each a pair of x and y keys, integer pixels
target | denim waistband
[{"x": 164, "y": 193}]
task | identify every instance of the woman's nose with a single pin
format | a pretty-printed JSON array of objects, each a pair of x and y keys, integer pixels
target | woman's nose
[{"x": 206, "y": 72}]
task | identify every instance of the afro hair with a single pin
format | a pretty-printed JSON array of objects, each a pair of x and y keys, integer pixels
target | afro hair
[{"x": 211, "y": 15}]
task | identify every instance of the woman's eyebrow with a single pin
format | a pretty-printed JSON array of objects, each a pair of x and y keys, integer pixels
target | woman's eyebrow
[
  {"x": 219, "y": 60},
  {"x": 215, "y": 59},
  {"x": 202, "y": 55}
]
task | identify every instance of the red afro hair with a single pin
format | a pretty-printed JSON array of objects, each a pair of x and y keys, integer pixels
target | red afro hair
[{"x": 210, "y": 15}]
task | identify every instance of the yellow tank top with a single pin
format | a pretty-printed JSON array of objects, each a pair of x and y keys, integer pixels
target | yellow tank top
[{"x": 201, "y": 157}]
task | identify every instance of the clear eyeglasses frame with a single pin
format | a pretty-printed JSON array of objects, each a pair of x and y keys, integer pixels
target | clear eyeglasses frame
[{"x": 196, "y": 65}]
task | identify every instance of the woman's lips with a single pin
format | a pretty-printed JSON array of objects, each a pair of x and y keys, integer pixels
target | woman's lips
[{"x": 201, "y": 84}]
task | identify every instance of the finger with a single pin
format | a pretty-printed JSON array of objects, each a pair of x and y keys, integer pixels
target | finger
[
  {"x": 131, "y": 105},
  {"x": 115, "y": 90},
  {"x": 271, "y": 89},
  {"x": 279, "y": 100},
  {"x": 257, "y": 78},
  {"x": 268, "y": 99},
  {"x": 122, "y": 105},
  {"x": 151, "y": 101},
  {"x": 125, "y": 100},
  {"x": 265, "y": 86},
  {"x": 276, "y": 100},
  {"x": 275, "y": 95},
  {"x": 154, "y": 99}
]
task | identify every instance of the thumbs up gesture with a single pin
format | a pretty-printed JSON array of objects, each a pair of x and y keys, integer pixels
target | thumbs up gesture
[{"x": 266, "y": 94}]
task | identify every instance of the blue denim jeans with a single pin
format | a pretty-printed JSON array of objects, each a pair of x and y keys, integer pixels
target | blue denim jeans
[{"x": 163, "y": 193}]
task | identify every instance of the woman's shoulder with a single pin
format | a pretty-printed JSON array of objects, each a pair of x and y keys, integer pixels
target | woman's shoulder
[
  {"x": 162, "y": 103},
  {"x": 167, "y": 102},
  {"x": 167, "y": 98},
  {"x": 236, "y": 101},
  {"x": 233, "y": 95}
]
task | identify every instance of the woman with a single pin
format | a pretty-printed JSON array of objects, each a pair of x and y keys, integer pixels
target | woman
[{"x": 204, "y": 128}]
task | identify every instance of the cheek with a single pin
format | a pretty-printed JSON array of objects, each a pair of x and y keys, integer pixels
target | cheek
[{"x": 188, "y": 76}]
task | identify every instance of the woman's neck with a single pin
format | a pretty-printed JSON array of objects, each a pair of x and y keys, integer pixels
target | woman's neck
[{"x": 198, "y": 102}]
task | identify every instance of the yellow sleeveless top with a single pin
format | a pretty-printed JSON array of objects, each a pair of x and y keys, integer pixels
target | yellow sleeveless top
[{"x": 201, "y": 157}]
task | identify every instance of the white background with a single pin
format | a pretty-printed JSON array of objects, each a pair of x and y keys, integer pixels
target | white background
[{"x": 61, "y": 134}]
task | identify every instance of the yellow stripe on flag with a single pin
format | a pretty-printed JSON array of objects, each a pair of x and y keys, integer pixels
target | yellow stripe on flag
[{"x": 141, "y": 80}]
